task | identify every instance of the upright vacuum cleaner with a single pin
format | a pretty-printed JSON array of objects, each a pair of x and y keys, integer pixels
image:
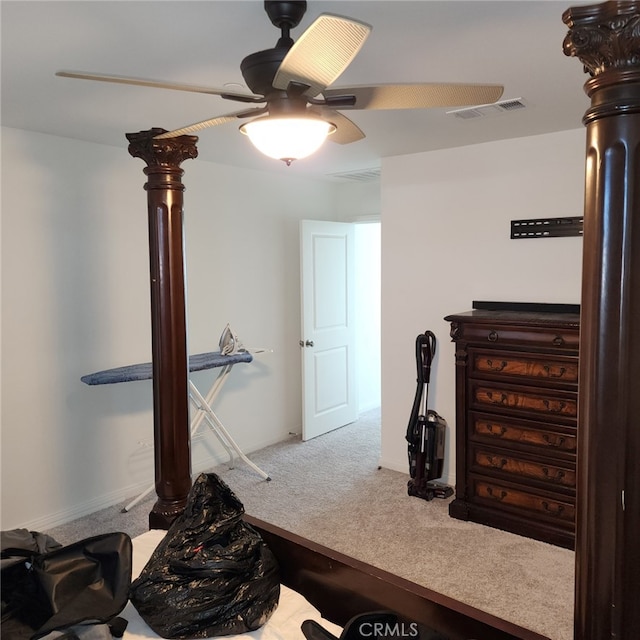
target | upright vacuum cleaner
[{"x": 426, "y": 432}]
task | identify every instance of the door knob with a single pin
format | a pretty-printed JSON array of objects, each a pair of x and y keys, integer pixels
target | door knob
[{"x": 308, "y": 343}]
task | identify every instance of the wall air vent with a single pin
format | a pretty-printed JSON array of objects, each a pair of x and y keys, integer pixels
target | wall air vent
[
  {"x": 483, "y": 110},
  {"x": 359, "y": 175}
]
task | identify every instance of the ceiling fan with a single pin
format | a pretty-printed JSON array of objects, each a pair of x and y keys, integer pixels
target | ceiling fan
[{"x": 294, "y": 84}]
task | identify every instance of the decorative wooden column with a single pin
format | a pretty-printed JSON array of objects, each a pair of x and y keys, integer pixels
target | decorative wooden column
[
  {"x": 168, "y": 318},
  {"x": 606, "y": 39}
]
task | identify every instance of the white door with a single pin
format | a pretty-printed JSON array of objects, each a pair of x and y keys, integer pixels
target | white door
[{"x": 328, "y": 329}]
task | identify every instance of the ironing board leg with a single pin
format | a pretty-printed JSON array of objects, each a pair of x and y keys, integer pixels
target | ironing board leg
[
  {"x": 218, "y": 428},
  {"x": 135, "y": 501},
  {"x": 202, "y": 408},
  {"x": 204, "y": 412}
]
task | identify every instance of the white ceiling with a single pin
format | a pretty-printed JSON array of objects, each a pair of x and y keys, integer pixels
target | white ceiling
[{"x": 515, "y": 43}]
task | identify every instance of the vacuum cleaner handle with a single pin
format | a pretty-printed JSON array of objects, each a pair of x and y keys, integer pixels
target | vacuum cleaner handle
[{"x": 425, "y": 352}]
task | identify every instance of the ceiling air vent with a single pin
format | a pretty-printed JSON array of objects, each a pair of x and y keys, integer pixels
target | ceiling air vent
[
  {"x": 359, "y": 175},
  {"x": 511, "y": 105},
  {"x": 480, "y": 111}
]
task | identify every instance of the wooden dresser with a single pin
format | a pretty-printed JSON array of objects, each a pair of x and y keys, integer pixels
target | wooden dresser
[{"x": 516, "y": 421}]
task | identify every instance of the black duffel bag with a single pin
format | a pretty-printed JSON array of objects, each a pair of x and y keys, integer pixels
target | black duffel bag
[
  {"x": 84, "y": 583},
  {"x": 212, "y": 574}
]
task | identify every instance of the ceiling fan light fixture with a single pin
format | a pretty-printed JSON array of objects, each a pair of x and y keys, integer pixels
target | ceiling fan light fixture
[{"x": 287, "y": 138}]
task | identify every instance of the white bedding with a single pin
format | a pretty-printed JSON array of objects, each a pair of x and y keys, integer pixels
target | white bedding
[{"x": 284, "y": 624}]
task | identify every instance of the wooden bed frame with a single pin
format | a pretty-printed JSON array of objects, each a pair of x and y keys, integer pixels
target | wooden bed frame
[
  {"x": 341, "y": 587},
  {"x": 603, "y": 37}
]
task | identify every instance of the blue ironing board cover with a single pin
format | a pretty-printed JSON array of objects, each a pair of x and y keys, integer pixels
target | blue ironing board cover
[{"x": 198, "y": 362}]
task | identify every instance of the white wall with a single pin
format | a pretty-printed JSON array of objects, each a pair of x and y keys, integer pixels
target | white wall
[
  {"x": 359, "y": 201},
  {"x": 445, "y": 242},
  {"x": 75, "y": 299}
]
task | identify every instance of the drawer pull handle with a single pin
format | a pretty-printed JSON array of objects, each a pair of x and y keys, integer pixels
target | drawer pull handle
[
  {"x": 495, "y": 462},
  {"x": 500, "y": 430},
  {"x": 553, "y": 441},
  {"x": 501, "y": 495},
  {"x": 557, "y": 475},
  {"x": 501, "y": 398},
  {"x": 553, "y": 509},
  {"x": 493, "y": 336},
  {"x": 551, "y": 374},
  {"x": 496, "y": 367},
  {"x": 558, "y": 407},
  {"x": 558, "y": 341}
]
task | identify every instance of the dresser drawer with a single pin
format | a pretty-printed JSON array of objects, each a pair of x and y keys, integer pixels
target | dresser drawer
[
  {"x": 557, "y": 474},
  {"x": 518, "y": 399},
  {"x": 498, "y": 335},
  {"x": 501, "y": 495},
  {"x": 505, "y": 432},
  {"x": 524, "y": 367}
]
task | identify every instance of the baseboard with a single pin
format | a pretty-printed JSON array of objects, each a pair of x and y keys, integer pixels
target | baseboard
[
  {"x": 393, "y": 465},
  {"x": 86, "y": 508},
  {"x": 129, "y": 492}
]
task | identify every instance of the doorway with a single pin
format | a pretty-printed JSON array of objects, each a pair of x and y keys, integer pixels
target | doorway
[
  {"x": 368, "y": 311},
  {"x": 340, "y": 338}
]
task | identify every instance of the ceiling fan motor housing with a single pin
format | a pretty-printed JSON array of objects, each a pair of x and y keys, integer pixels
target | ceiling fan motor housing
[
  {"x": 259, "y": 69},
  {"x": 285, "y": 14}
]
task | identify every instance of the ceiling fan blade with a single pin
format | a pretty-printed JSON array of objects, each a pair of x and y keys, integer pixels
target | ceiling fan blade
[
  {"x": 322, "y": 53},
  {"x": 418, "y": 96},
  {"x": 212, "y": 122},
  {"x": 346, "y": 131},
  {"x": 158, "y": 84}
]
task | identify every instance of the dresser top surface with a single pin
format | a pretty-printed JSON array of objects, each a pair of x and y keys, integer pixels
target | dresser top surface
[{"x": 515, "y": 318}]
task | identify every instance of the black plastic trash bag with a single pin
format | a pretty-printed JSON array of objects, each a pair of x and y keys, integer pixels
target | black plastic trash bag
[{"x": 212, "y": 574}]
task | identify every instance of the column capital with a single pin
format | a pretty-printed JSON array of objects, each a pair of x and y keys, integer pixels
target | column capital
[
  {"x": 605, "y": 37},
  {"x": 161, "y": 152}
]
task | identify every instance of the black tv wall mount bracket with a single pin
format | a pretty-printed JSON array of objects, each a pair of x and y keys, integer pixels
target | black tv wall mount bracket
[{"x": 546, "y": 227}]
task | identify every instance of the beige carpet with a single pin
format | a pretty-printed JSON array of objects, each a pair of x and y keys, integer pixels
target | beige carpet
[{"x": 330, "y": 490}]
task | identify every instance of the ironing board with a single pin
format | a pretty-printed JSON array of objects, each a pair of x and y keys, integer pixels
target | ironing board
[{"x": 202, "y": 404}]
